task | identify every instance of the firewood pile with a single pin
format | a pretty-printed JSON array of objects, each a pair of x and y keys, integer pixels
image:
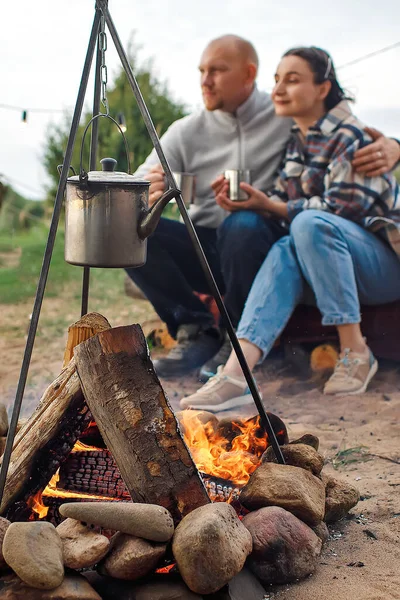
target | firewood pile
[{"x": 178, "y": 533}]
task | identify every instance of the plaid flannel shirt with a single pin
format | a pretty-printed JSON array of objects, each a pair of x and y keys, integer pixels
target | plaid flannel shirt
[{"x": 317, "y": 174}]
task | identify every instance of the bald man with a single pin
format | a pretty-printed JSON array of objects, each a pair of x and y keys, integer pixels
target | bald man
[{"x": 236, "y": 129}]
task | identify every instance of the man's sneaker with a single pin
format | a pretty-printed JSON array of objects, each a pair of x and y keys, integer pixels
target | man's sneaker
[
  {"x": 195, "y": 346},
  {"x": 221, "y": 392},
  {"x": 352, "y": 374},
  {"x": 210, "y": 368}
]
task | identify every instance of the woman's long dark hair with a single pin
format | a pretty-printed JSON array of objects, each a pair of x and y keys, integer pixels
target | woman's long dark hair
[{"x": 322, "y": 66}]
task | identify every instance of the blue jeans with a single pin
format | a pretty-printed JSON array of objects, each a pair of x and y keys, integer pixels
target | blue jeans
[
  {"x": 235, "y": 251},
  {"x": 325, "y": 260}
]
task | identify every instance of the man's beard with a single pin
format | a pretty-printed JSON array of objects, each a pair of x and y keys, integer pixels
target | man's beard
[{"x": 217, "y": 104}]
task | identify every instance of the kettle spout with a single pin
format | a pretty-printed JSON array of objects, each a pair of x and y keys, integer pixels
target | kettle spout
[{"x": 151, "y": 217}]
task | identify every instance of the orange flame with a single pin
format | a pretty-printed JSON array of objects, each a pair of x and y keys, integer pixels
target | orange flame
[
  {"x": 81, "y": 447},
  {"x": 36, "y": 504},
  {"x": 54, "y": 492},
  {"x": 165, "y": 570},
  {"x": 215, "y": 455},
  {"x": 51, "y": 491}
]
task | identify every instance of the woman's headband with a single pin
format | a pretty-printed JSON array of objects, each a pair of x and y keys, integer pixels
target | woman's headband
[{"x": 328, "y": 68}]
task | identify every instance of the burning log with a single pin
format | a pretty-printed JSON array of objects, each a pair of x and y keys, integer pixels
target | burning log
[
  {"x": 47, "y": 437},
  {"x": 136, "y": 421},
  {"x": 50, "y": 433}
]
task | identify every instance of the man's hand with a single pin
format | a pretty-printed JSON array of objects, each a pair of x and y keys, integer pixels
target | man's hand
[
  {"x": 218, "y": 184},
  {"x": 380, "y": 156},
  {"x": 156, "y": 177}
]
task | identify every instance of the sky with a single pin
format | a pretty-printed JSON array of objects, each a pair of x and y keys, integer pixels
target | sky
[{"x": 43, "y": 46}]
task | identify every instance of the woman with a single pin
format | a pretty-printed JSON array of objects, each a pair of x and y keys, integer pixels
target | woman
[{"x": 340, "y": 234}]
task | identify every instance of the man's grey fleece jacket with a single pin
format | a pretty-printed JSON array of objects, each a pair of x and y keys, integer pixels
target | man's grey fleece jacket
[{"x": 207, "y": 143}]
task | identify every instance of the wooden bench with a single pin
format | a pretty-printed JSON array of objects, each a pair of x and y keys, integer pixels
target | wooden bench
[{"x": 380, "y": 325}]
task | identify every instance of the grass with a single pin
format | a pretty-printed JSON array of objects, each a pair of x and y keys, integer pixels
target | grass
[
  {"x": 349, "y": 456},
  {"x": 19, "y": 284},
  {"x": 63, "y": 292}
]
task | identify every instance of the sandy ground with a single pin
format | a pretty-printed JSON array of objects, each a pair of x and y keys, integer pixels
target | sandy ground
[{"x": 359, "y": 438}]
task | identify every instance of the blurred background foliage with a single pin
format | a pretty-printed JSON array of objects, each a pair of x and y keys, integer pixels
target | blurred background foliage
[{"x": 163, "y": 109}]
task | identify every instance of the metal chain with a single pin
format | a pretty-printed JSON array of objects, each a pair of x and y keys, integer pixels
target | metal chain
[{"x": 103, "y": 66}]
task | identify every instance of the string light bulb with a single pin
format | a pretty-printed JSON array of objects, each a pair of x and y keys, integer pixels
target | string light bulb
[{"x": 121, "y": 122}]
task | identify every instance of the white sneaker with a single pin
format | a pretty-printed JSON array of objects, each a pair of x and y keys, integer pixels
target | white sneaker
[
  {"x": 221, "y": 392},
  {"x": 352, "y": 374}
]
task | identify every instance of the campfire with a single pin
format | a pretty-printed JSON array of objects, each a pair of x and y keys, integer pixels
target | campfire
[
  {"x": 232, "y": 459},
  {"x": 226, "y": 454},
  {"x": 116, "y": 483}
]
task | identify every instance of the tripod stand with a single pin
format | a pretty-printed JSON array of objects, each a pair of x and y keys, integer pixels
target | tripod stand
[{"x": 102, "y": 17}]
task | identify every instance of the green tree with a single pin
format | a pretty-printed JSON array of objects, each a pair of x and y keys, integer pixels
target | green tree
[{"x": 163, "y": 110}]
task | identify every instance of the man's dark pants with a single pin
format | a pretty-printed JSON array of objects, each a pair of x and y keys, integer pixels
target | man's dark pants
[{"x": 235, "y": 252}]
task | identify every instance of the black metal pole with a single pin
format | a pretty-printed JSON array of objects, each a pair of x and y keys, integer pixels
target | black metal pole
[
  {"x": 94, "y": 139},
  {"x": 102, "y": 4},
  {"x": 85, "y": 291},
  {"x": 47, "y": 254}
]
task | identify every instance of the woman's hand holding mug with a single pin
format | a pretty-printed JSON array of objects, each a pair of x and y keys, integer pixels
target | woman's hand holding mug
[{"x": 257, "y": 200}]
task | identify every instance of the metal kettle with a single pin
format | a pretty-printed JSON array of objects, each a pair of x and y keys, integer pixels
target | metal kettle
[{"x": 107, "y": 219}]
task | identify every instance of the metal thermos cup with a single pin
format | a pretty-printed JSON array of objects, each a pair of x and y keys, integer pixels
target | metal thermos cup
[
  {"x": 235, "y": 178},
  {"x": 186, "y": 183}
]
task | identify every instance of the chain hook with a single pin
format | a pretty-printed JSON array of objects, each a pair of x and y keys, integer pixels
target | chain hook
[{"x": 103, "y": 67}]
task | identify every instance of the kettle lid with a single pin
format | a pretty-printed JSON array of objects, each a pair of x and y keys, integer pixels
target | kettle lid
[{"x": 109, "y": 176}]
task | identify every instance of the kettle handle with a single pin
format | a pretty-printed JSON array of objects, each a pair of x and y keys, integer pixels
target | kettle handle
[{"x": 83, "y": 176}]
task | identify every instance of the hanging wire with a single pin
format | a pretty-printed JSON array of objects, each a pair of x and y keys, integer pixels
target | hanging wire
[
  {"x": 104, "y": 42},
  {"x": 7, "y": 180},
  {"x": 20, "y": 211},
  {"x": 370, "y": 55},
  {"x": 38, "y": 110}
]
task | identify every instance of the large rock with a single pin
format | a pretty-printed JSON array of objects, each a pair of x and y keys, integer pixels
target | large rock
[
  {"x": 82, "y": 547},
  {"x": 340, "y": 498},
  {"x": 34, "y": 552},
  {"x": 148, "y": 521},
  {"x": 3, "y": 420},
  {"x": 291, "y": 488},
  {"x": 309, "y": 439},
  {"x": 4, "y": 525},
  {"x": 244, "y": 586},
  {"x": 298, "y": 455},
  {"x": 284, "y": 548},
  {"x": 210, "y": 546},
  {"x": 74, "y": 587},
  {"x": 131, "y": 557}
]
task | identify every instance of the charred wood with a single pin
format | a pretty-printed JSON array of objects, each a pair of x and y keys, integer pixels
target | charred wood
[{"x": 137, "y": 422}]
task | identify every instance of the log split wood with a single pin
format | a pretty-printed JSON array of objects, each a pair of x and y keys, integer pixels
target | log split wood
[
  {"x": 39, "y": 446},
  {"x": 136, "y": 421},
  {"x": 50, "y": 433}
]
